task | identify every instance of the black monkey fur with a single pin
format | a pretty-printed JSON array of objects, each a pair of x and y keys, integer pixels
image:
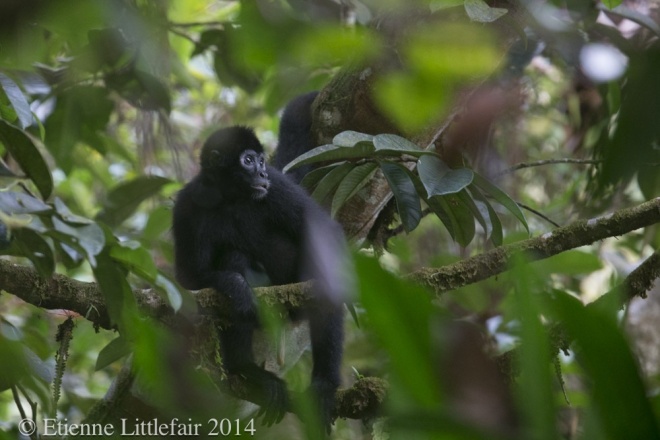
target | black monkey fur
[
  {"x": 295, "y": 135},
  {"x": 239, "y": 213}
]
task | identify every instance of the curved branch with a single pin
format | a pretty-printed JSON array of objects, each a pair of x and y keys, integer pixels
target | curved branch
[
  {"x": 359, "y": 401},
  {"x": 539, "y": 163},
  {"x": 61, "y": 292},
  {"x": 580, "y": 233}
]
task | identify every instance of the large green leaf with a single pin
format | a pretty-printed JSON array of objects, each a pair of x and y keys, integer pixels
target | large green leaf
[
  {"x": 156, "y": 94},
  {"x": 31, "y": 245},
  {"x": 160, "y": 221},
  {"x": 350, "y": 138},
  {"x": 312, "y": 178},
  {"x": 136, "y": 258},
  {"x": 115, "y": 350},
  {"x": 124, "y": 199},
  {"x": 330, "y": 181},
  {"x": 616, "y": 386},
  {"x": 19, "y": 203},
  {"x": 393, "y": 145},
  {"x": 80, "y": 114},
  {"x": 453, "y": 210},
  {"x": 119, "y": 298},
  {"x": 439, "y": 179},
  {"x": 536, "y": 393},
  {"x": 357, "y": 178},
  {"x": 65, "y": 214},
  {"x": 23, "y": 150},
  {"x": 573, "y": 262},
  {"x": 462, "y": 217},
  {"x": 496, "y": 234},
  {"x": 479, "y": 11},
  {"x": 407, "y": 201},
  {"x": 467, "y": 200},
  {"x": 402, "y": 319},
  {"x": 501, "y": 197},
  {"x": 438, "y": 208},
  {"x": 174, "y": 297},
  {"x": 89, "y": 238},
  {"x": 15, "y": 102},
  {"x": 332, "y": 153}
]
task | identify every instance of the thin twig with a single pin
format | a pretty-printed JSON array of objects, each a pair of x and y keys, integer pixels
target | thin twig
[
  {"x": 200, "y": 23},
  {"x": 183, "y": 35},
  {"x": 17, "y": 400},
  {"x": 547, "y": 162},
  {"x": 534, "y": 211}
]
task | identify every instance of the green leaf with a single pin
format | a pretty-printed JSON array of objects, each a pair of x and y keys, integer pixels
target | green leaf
[
  {"x": 496, "y": 234},
  {"x": 160, "y": 221},
  {"x": 20, "y": 203},
  {"x": 468, "y": 202},
  {"x": 16, "y": 370},
  {"x": 461, "y": 218},
  {"x": 357, "y": 178},
  {"x": 115, "y": 350},
  {"x": 402, "y": 321},
  {"x": 479, "y": 11},
  {"x": 536, "y": 390},
  {"x": 31, "y": 245},
  {"x": 65, "y": 214},
  {"x": 568, "y": 263},
  {"x": 156, "y": 95},
  {"x": 401, "y": 182},
  {"x": 90, "y": 238},
  {"x": 312, "y": 178},
  {"x": 501, "y": 197},
  {"x": 439, "y": 208},
  {"x": 393, "y": 145},
  {"x": 170, "y": 288},
  {"x": 411, "y": 100},
  {"x": 606, "y": 357},
  {"x": 80, "y": 114},
  {"x": 124, "y": 199},
  {"x": 350, "y": 138},
  {"x": 16, "y": 98},
  {"x": 439, "y": 179},
  {"x": 23, "y": 150},
  {"x": 328, "y": 184},
  {"x": 332, "y": 153},
  {"x": 116, "y": 291},
  {"x": 68, "y": 255},
  {"x": 136, "y": 258}
]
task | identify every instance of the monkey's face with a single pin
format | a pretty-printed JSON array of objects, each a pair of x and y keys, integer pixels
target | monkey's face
[{"x": 254, "y": 174}]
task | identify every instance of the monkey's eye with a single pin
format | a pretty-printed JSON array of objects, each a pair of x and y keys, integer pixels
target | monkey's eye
[
  {"x": 248, "y": 160},
  {"x": 261, "y": 161}
]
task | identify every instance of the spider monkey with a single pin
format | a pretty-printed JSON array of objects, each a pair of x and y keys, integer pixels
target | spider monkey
[{"x": 239, "y": 213}]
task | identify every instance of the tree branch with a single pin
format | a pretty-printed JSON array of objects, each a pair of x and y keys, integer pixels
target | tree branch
[
  {"x": 539, "y": 163},
  {"x": 61, "y": 292},
  {"x": 580, "y": 233}
]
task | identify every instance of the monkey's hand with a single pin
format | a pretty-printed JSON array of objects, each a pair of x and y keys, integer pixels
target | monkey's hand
[
  {"x": 323, "y": 393},
  {"x": 271, "y": 393}
]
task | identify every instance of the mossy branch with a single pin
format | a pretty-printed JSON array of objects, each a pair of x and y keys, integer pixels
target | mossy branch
[{"x": 61, "y": 292}]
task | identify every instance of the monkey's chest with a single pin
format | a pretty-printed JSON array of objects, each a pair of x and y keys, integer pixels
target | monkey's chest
[{"x": 264, "y": 242}]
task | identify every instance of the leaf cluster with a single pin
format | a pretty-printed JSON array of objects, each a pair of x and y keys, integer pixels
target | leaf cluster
[{"x": 459, "y": 197}]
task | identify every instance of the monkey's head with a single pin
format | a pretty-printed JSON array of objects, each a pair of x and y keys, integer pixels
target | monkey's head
[{"x": 233, "y": 158}]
